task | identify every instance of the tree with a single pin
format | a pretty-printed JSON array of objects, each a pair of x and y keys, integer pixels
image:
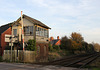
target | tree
[
  {"x": 85, "y": 45},
  {"x": 77, "y": 40},
  {"x": 31, "y": 45},
  {"x": 91, "y": 48},
  {"x": 75, "y": 45},
  {"x": 65, "y": 43},
  {"x": 96, "y": 47},
  {"x": 76, "y": 37}
]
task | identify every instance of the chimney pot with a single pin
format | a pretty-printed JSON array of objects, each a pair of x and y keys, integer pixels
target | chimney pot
[
  {"x": 51, "y": 38},
  {"x": 21, "y": 12},
  {"x": 57, "y": 37}
]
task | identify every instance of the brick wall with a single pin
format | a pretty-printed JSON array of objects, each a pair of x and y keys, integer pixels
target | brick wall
[
  {"x": 0, "y": 46},
  {"x": 3, "y": 43},
  {"x": 43, "y": 53}
]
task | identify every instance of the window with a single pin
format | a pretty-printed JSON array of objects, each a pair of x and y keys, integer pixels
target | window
[
  {"x": 41, "y": 32},
  {"x": 38, "y": 31},
  {"x": 31, "y": 30},
  {"x": 15, "y": 32},
  {"x": 28, "y": 30},
  {"x": 46, "y": 33}
]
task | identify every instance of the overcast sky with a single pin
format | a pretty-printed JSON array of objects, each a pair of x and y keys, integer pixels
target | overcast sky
[{"x": 63, "y": 16}]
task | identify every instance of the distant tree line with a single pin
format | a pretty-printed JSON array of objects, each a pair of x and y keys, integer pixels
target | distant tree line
[{"x": 74, "y": 43}]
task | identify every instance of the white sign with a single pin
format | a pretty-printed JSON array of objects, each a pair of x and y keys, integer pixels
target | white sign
[
  {"x": 8, "y": 38},
  {"x": 10, "y": 44}
]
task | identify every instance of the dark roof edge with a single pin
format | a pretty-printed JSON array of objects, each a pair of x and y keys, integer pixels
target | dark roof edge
[
  {"x": 4, "y": 31},
  {"x": 6, "y": 24}
]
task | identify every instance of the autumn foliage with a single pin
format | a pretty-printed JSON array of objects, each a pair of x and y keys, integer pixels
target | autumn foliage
[{"x": 75, "y": 42}]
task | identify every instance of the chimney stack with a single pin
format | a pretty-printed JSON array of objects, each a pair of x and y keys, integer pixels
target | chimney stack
[
  {"x": 21, "y": 13},
  {"x": 51, "y": 38},
  {"x": 58, "y": 37}
]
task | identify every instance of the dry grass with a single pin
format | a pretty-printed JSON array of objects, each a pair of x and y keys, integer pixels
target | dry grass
[{"x": 53, "y": 56}]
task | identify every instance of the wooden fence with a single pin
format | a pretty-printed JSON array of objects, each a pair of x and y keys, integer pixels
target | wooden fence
[{"x": 20, "y": 56}]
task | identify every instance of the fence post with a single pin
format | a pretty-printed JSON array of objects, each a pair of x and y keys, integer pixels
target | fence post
[
  {"x": 4, "y": 55},
  {"x": 7, "y": 51},
  {"x": 14, "y": 55}
]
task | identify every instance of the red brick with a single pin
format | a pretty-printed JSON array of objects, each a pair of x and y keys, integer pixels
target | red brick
[{"x": 3, "y": 43}]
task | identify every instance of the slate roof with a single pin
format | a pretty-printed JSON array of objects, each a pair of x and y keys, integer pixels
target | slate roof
[
  {"x": 4, "y": 27},
  {"x": 53, "y": 42},
  {"x": 34, "y": 21}
]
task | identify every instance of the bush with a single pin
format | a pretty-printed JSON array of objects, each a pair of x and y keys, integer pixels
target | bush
[
  {"x": 50, "y": 48},
  {"x": 31, "y": 45},
  {"x": 56, "y": 47}
]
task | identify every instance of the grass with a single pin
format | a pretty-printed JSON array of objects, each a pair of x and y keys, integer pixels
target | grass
[
  {"x": 92, "y": 67},
  {"x": 95, "y": 68},
  {"x": 53, "y": 56}
]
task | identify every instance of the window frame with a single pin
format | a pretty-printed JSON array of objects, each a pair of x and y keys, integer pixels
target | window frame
[
  {"x": 14, "y": 32},
  {"x": 28, "y": 30},
  {"x": 42, "y": 32}
]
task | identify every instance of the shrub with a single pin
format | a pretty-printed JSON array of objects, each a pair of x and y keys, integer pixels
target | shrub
[
  {"x": 31, "y": 45},
  {"x": 56, "y": 47},
  {"x": 50, "y": 48}
]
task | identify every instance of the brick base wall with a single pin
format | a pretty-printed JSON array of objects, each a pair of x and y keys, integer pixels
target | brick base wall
[{"x": 42, "y": 51}]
